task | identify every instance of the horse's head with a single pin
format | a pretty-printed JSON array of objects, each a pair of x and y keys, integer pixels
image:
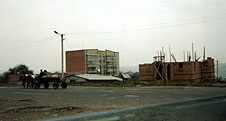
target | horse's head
[
  {"x": 33, "y": 76},
  {"x": 21, "y": 77}
]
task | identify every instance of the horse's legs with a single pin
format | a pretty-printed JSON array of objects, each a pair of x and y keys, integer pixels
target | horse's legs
[
  {"x": 23, "y": 83},
  {"x": 27, "y": 84},
  {"x": 32, "y": 84}
]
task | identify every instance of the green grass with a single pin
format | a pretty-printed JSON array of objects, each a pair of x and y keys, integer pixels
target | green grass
[
  {"x": 139, "y": 83},
  {"x": 10, "y": 85}
]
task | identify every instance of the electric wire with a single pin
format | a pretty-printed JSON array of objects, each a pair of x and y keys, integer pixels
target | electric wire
[
  {"x": 184, "y": 22},
  {"x": 30, "y": 44}
]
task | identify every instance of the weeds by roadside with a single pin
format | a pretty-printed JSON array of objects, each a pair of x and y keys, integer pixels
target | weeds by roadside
[
  {"x": 139, "y": 84},
  {"x": 203, "y": 83},
  {"x": 10, "y": 84}
]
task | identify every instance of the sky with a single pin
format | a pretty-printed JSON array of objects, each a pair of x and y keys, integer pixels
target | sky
[{"x": 137, "y": 29}]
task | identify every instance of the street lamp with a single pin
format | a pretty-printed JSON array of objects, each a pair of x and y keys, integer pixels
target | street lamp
[
  {"x": 56, "y": 32},
  {"x": 62, "y": 54}
]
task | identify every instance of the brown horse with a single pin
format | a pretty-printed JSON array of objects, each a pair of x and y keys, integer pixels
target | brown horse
[{"x": 27, "y": 81}]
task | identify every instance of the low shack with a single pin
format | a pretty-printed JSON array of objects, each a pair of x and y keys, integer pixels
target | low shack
[
  {"x": 125, "y": 76},
  {"x": 91, "y": 78}
]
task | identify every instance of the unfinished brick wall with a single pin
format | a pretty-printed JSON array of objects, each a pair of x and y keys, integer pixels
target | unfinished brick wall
[
  {"x": 208, "y": 69},
  {"x": 178, "y": 71},
  {"x": 189, "y": 71},
  {"x": 146, "y": 72}
]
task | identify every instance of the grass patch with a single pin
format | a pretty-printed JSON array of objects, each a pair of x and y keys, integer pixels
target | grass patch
[
  {"x": 140, "y": 83},
  {"x": 10, "y": 85}
]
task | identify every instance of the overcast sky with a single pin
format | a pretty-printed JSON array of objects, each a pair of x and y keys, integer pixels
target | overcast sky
[{"x": 137, "y": 29}]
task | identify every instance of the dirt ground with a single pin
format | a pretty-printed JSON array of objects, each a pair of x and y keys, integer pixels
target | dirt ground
[{"x": 41, "y": 104}]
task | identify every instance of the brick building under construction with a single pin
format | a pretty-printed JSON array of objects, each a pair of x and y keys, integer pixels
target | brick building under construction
[{"x": 177, "y": 71}]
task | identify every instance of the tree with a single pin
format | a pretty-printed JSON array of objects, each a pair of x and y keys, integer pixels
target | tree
[
  {"x": 22, "y": 69},
  {"x": 18, "y": 69},
  {"x": 2, "y": 79},
  {"x": 134, "y": 76}
]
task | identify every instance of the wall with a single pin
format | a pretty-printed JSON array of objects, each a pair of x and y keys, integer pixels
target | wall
[
  {"x": 146, "y": 72},
  {"x": 91, "y": 61},
  {"x": 208, "y": 70},
  {"x": 102, "y": 62},
  {"x": 73, "y": 79},
  {"x": 190, "y": 71},
  {"x": 178, "y": 71},
  {"x": 113, "y": 64},
  {"x": 75, "y": 62},
  {"x": 13, "y": 78}
]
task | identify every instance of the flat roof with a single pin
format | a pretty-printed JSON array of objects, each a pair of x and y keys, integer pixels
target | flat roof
[
  {"x": 97, "y": 77},
  {"x": 127, "y": 76},
  {"x": 92, "y": 49}
]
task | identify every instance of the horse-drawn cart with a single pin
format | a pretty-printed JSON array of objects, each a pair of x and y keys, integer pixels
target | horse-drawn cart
[{"x": 46, "y": 80}]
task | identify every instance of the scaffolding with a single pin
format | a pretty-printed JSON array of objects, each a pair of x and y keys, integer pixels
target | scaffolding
[{"x": 159, "y": 65}]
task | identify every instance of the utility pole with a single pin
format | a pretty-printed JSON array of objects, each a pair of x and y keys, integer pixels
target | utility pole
[
  {"x": 170, "y": 53},
  {"x": 62, "y": 54},
  {"x": 192, "y": 52},
  {"x": 217, "y": 68},
  {"x": 204, "y": 54}
]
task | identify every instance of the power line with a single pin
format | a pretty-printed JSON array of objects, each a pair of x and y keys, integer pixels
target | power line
[
  {"x": 184, "y": 22},
  {"x": 30, "y": 44}
]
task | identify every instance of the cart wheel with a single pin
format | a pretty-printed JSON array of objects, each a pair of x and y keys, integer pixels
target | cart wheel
[
  {"x": 64, "y": 85},
  {"x": 37, "y": 85},
  {"x": 46, "y": 85},
  {"x": 55, "y": 85}
]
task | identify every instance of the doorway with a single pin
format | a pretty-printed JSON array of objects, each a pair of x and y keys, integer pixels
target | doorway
[{"x": 168, "y": 72}]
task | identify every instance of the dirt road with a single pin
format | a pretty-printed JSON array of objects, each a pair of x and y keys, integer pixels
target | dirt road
[{"x": 41, "y": 104}]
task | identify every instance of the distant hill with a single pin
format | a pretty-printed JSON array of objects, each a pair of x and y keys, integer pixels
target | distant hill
[
  {"x": 129, "y": 68},
  {"x": 222, "y": 69}
]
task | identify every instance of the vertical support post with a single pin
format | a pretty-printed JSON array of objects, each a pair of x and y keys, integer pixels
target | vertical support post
[
  {"x": 163, "y": 54},
  {"x": 204, "y": 54},
  {"x": 217, "y": 68},
  {"x": 192, "y": 52},
  {"x": 158, "y": 56},
  {"x": 170, "y": 53},
  {"x": 195, "y": 56},
  {"x": 187, "y": 56},
  {"x": 62, "y": 56}
]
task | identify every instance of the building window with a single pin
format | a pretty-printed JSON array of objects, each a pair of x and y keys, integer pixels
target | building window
[{"x": 180, "y": 65}]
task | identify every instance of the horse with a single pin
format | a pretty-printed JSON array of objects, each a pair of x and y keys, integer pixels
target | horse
[{"x": 27, "y": 79}]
